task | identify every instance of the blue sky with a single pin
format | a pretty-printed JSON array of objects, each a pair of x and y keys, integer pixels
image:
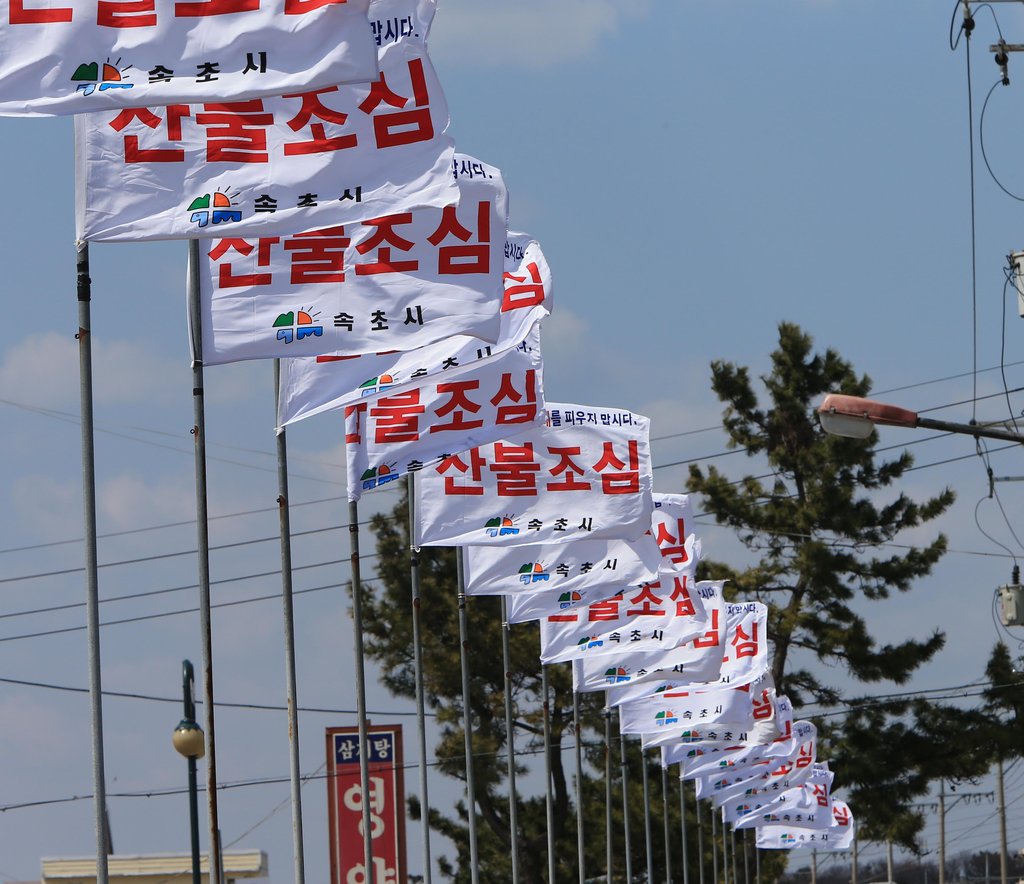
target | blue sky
[{"x": 696, "y": 173}]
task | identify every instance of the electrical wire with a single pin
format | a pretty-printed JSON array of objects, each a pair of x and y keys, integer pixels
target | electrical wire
[
  {"x": 974, "y": 239},
  {"x": 981, "y": 140}
]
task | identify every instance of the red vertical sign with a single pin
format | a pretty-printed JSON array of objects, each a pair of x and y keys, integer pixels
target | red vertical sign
[{"x": 345, "y": 805}]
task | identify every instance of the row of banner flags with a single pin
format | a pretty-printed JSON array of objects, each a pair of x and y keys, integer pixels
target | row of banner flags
[{"x": 306, "y": 146}]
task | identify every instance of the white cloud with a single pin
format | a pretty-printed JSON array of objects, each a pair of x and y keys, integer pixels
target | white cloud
[
  {"x": 127, "y": 501},
  {"x": 48, "y": 507},
  {"x": 43, "y": 371},
  {"x": 534, "y": 34}
]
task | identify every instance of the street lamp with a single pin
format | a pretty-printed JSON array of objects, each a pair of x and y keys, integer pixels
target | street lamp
[
  {"x": 855, "y": 417},
  {"x": 189, "y": 740}
]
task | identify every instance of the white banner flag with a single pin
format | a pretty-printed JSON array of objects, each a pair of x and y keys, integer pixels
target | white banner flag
[
  {"x": 556, "y": 568},
  {"x": 808, "y": 805},
  {"x": 725, "y": 784},
  {"x": 429, "y": 426},
  {"x": 541, "y": 604},
  {"x": 838, "y": 836},
  {"x": 310, "y": 296},
  {"x": 677, "y": 710},
  {"x": 663, "y": 717},
  {"x": 731, "y": 651},
  {"x": 737, "y": 757},
  {"x": 652, "y": 615},
  {"x": 671, "y": 525},
  {"x": 585, "y": 475},
  {"x": 305, "y": 159},
  {"x": 723, "y": 736},
  {"x": 314, "y": 385},
  {"x": 592, "y": 585},
  {"x": 632, "y": 666},
  {"x": 73, "y": 56}
]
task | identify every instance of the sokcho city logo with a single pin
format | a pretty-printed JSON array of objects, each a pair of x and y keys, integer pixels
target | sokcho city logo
[
  {"x": 501, "y": 527},
  {"x": 588, "y": 642},
  {"x": 616, "y": 675},
  {"x": 532, "y": 572},
  {"x": 377, "y": 385},
  {"x": 569, "y": 600},
  {"x": 216, "y": 208},
  {"x": 92, "y": 76},
  {"x": 295, "y": 325},
  {"x": 377, "y": 476}
]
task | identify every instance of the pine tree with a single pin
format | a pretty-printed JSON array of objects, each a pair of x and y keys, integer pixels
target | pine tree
[{"x": 823, "y": 523}]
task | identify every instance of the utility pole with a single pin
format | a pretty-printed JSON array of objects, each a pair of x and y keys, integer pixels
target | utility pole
[
  {"x": 943, "y": 809},
  {"x": 1002, "y": 824},
  {"x": 942, "y": 832}
]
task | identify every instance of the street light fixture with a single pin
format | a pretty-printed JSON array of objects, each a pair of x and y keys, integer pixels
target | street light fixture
[
  {"x": 189, "y": 740},
  {"x": 855, "y": 417}
]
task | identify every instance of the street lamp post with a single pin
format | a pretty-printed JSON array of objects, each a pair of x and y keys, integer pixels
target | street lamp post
[
  {"x": 855, "y": 417},
  {"x": 189, "y": 740}
]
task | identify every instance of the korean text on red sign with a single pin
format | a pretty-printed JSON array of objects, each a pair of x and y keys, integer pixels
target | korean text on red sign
[{"x": 386, "y": 800}]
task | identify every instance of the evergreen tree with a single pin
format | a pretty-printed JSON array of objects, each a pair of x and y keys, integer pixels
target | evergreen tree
[
  {"x": 823, "y": 539},
  {"x": 1004, "y": 704}
]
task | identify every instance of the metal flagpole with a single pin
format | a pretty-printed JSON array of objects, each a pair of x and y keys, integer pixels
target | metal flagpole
[
  {"x": 203, "y": 532},
  {"x": 648, "y": 837},
  {"x": 289, "y": 637},
  {"x": 853, "y": 871},
  {"x": 417, "y": 652},
  {"x": 725, "y": 852},
  {"x": 357, "y": 644},
  {"x": 682, "y": 826},
  {"x": 467, "y": 716},
  {"x": 624, "y": 761},
  {"x": 579, "y": 786},
  {"x": 549, "y": 800},
  {"x": 746, "y": 858},
  {"x": 714, "y": 847},
  {"x": 814, "y": 867},
  {"x": 700, "y": 840},
  {"x": 510, "y": 739},
  {"x": 608, "y": 846},
  {"x": 757, "y": 865},
  {"x": 84, "y": 336},
  {"x": 732, "y": 848},
  {"x": 664, "y": 813}
]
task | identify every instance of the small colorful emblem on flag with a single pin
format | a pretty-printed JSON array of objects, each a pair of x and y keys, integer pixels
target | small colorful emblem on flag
[
  {"x": 500, "y": 527},
  {"x": 568, "y": 599},
  {"x": 221, "y": 205},
  {"x": 375, "y": 385},
  {"x": 532, "y": 572},
  {"x": 377, "y": 476},
  {"x": 296, "y": 325},
  {"x": 92, "y": 75},
  {"x": 616, "y": 675}
]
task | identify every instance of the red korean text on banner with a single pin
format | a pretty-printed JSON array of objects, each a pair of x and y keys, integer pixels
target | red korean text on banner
[
  {"x": 423, "y": 427},
  {"x": 77, "y": 56},
  {"x": 312, "y": 386},
  {"x": 305, "y": 158},
  {"x": 346, "y": 290},
  {"x": 586, "y": 474}
]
